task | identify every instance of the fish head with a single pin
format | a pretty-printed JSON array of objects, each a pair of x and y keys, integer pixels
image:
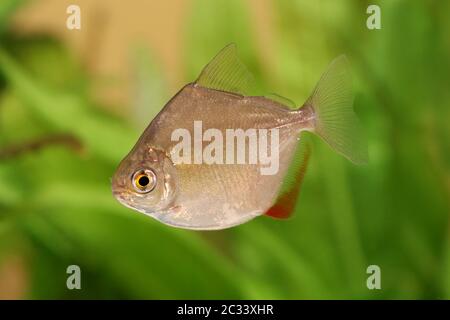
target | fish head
[{"x": 146, "y": 181}]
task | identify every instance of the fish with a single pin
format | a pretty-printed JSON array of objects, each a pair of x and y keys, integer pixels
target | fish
[{"x": 214, "y": 193}]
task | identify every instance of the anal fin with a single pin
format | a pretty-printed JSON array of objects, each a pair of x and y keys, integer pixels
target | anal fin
[{"x": 284, "y": 206}]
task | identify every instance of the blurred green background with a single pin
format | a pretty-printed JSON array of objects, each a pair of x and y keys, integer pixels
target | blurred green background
[{"x": 72, "y": 104}]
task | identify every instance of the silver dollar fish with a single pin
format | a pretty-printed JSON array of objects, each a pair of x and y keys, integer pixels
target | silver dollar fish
[{"x": 216, "y": 193}]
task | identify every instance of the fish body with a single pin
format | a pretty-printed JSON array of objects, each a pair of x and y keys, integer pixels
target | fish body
[{"x": 209, "y": 195}]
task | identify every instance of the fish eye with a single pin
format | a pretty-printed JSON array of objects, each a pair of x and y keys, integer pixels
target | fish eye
[{"x": 144, "y": 181}]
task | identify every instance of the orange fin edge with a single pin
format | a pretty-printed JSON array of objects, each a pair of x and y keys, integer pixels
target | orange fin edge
[{"x": 284, "y": 206}]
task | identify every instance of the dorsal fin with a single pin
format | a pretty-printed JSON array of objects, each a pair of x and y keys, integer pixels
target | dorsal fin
[
  {"x": 281, "y": 100},
  {"x": 225, "y": 72},
  {"x": 285, "y": 204}
]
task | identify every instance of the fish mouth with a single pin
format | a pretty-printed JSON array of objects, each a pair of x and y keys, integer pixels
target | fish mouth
[
  {"x": 117, "y": 190},
  {"x": 121, "y": 195},
  {"x": 124, "y": 199}
]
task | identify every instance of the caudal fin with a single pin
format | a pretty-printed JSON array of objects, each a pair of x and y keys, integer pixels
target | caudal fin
[{"x": 335, "y": 121}]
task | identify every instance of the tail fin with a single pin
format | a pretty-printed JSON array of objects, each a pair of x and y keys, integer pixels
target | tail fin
[{"x": 335, "y": 121}]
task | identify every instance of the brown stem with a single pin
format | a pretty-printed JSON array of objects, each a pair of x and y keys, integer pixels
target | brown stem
[{"x": 67, "y": 140}]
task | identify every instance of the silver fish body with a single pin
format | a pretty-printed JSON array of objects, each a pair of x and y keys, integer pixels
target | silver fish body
[{"x": 210, "y": 196}]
